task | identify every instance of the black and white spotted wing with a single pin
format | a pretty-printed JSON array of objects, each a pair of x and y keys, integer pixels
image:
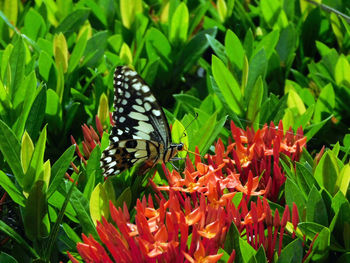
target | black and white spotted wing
[{"x": 141, "y": 132}]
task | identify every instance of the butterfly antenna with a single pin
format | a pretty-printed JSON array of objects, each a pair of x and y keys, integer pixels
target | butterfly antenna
[
  {"x": 188, "y": 125},
  {"x": 187, "y": 150}
]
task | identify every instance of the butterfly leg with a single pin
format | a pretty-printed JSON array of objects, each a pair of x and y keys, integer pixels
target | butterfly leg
[{"x": 174, "y": 159}]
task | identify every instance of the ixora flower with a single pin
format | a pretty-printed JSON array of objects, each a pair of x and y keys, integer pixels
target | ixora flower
[
  {"x": 158, "y": 235},
  {"x": 250, "y": 164},
  {"x": 192, "y": 220}
]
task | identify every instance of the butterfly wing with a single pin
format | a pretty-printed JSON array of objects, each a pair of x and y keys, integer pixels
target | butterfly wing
[
  {"x": 126, "y": 153},
  {"x": 137, "y": 118}
]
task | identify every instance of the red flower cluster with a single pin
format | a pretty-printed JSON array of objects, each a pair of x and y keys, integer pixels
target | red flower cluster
[
  {"x": 175, "y": 234},
  {"x": 249, "y": 165},
  {"x": 196, "y": 210}
]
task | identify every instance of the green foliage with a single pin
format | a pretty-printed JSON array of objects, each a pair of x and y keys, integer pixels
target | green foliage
[{"x": 249, "y": 61}]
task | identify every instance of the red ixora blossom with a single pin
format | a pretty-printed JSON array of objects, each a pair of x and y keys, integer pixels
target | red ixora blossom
[
  {"x": 250, "y": 164},
  {"x": 198, "y": 204},
  {"x": 159, "y": 235}
]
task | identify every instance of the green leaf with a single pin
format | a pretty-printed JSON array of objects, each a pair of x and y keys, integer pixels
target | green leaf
[
  {"x": 247, "y": 251},
  {"x": 295, "y": 103},
  {"x": 321, "y": 245},
  {"x": 338, "y": 226},
  {"x": 292, "y": 253},
  {"x": 124, "y": 197},
  {"x": 6, "y": 258},
  {"x": 178, "y": 134},
  {"x": 316, "y": 210},
  {"x": 80, "y": 206},
  {"x": 218, "y": 48},
  {"x": 17, "y": 63},
  {"x": 232, "y": 243},
  {"x": 10, "y": 148},
  {"x": 178, "y": 26},
  {"x": 53, "y": 109},
  {"x": 24, "y": 97},
  {"x": 36, "y": 163},
  {"x": 227, "y": 85},
  {"x": 99, "y": 206},
  {"x": 35, "y": 212},
  {"x": 59, "y": 169},
  {"x": 6, "y": 54},
  {"x": 78, "y": 51},
  {"x": 27, "y": 149},
  {"x": 260, "y": 255},
  {"x": 257, "y": 67},
  {"x": 15, "y": 236},
  {"x": 57, "y": 200},
  {"x": 327, "y": 172},
  {"x": 190, "y": 101},
  {"x": 158, "y": 47},
  {"x": 222, "y": 10},
  {"x": 34, "y": 24},
  {"x": 71, "y": 234},
  {"x": 52, "y": 240},
  {"x": 36, "y": 114},
  {"x": 192, "y": 51},
  {"x": 125, "y": 54},
  {"x": 336, "y": 26},
  {"x": 97, "y": 8},
  {"x": 95, "y": 48},
  {"x": 109, "y": 188},
  {"x": 128, "y": 10},
  {"x": 197, "y": 15},
  {"x": 304, "y": 178},
  {"x": 341, "y": 71},
  {"x": 310, "y": 229},
  {"x": 310, "y": 32},
  {"x": 60, "y": 49},
  {"x": 45, "y": 65},
  {"x": 294, "y": 195},
  {"x": 254, "y": 105},
  {"x": 73, "y": 21},
  {"x": 268, "y": 43},
  {"x": 304, "y": 119},
  {"x": 11, "y": 189},
  {"x": 343, "y": 180},
  {"x": 93, "y": 165},
  {"x": 287, "y": 45},
  {"x": 270, "y": 10},
  {"x": 325, "y": 103},
  {"x": 10, "y": 9},
  {"x": 314, "y": 128},
  {"x": 234, "y": 50}
]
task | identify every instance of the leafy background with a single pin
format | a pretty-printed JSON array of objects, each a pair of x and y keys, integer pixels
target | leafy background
[{"x": 253, "y": 62}]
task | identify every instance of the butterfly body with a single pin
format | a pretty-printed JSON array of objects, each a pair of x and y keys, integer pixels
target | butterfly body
[{"x": 141, "y": 133}]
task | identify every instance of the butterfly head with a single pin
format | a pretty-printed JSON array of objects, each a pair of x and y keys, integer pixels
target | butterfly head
[{"x": 176, "y": 147}]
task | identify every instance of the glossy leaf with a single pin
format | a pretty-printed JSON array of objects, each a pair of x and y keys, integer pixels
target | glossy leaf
[
  {"x": 11, "y": 189},
  {"x": 315, "y": 208},
  {"x": 59, "y": 169},
  {"x": 327, "y": 172},
  {"x": 179, "y": 25},
  {"x": 27, "y": 149},
  {"x": 128, "y": 10},
  {"x": 99, "y": 206},
  {"x": 253, "y": 114},
  {"x": 36, "y": 164},
  {"x": 227, "y": 85},
  {"x": 10, "y": 148},
  {"x": 35, "y": 212}
]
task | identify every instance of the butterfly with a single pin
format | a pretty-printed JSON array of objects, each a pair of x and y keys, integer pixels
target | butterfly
[{"x": 141, "y": 132}]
